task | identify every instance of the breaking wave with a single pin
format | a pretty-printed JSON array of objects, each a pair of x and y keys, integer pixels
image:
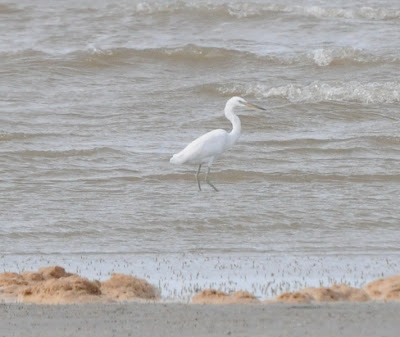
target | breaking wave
[
  {"x": 199, "y": 55},
  {"x": 335, "y": 56},
  {"x": 241, "y": 10},
  {"x": 338, "y": 91},
  {"x": 319, "y": 91}
]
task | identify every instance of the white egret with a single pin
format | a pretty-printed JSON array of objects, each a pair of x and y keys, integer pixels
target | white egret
[{"x": 208, "y": 147}]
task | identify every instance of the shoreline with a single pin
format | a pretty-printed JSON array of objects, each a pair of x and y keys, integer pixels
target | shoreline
[
  {"x": 53, "y": 302},
  {"x": 367, "y": 319},
  {"x": 180, "y": 276},
  {"x": 54, "y": 285}
]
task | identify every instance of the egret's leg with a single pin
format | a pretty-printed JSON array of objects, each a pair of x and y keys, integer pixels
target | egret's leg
[
  {"x": 208, "y": 181},
  {"x": 197, "y": 177}
]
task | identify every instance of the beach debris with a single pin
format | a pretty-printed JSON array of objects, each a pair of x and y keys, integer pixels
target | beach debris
[
  {"x": 336, "y": 293},
  {"x": 125, "y": 287},
  {"x": 211, "y": 296},
  {"x": 68, "y": 289},
  {"x": 53, "y": 285},
  {"x": 386, "y": 289}
]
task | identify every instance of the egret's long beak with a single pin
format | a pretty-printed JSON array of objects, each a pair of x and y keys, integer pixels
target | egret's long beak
[{"x": 253, "y": 106}]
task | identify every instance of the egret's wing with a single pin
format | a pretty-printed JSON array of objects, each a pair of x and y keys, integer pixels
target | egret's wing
[{"x": 208, "y": 145}]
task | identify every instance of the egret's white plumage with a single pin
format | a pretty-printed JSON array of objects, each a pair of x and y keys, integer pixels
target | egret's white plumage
[{"x": 208, "y": 147}]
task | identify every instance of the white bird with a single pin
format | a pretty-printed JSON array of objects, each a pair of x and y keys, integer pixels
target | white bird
[{"x": 208, "y": 147}]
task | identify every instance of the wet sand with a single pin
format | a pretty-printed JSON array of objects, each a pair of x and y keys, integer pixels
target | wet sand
[{"x": 173, "y": 319}]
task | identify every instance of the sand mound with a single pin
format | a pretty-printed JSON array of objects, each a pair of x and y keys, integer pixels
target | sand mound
[
  {"x": 294, "y": 297},
  {"x": 53, "y": 272},
  {"x": 387, "y": 289},
  {"x": 69, "y": 289},
  {"x": 55, "y": 285},
  {"x": 211, "y": 296},
  {"x": 335, "y": 293},
  {"x": 10, "y": 284},
  {"x": 124, "y": 287}
]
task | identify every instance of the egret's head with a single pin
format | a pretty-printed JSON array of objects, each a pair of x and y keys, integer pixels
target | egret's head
[{"x": 241, "y": 102}]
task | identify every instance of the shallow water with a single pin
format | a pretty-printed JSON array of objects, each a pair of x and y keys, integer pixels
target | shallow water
[{"x": 96, "y": 97}]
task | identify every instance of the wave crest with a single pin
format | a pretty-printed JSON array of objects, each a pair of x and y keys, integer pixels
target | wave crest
[
  {"x": 366, "y": 13},
  {"x": 340, "y": 91},
  {"x": 333, "y": 56},
  {"x": 97, "y": 151},
  {"x": 192, "y": 53},
  {"x": 322, "y": 57},
  {"x": 240, "y": 10},
  {"x": 187, "y": 53},
  {"x": 318, "y": 91}
]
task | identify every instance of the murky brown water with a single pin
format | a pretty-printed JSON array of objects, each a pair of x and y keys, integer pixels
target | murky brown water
[{"x": 96, "y": 96}]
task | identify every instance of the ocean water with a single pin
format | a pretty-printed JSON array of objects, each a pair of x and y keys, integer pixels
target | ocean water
[{"x": 95, "y": 97}]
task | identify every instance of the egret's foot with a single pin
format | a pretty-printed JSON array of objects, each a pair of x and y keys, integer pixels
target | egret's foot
[
  {"x": 208, "y": 181},
  {"x": 215, "y": 189}
]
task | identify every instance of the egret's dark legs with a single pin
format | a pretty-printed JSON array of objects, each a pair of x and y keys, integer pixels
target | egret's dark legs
[
  {"x": 197, "y": 177},
  {"x": 208, "y": 181}
]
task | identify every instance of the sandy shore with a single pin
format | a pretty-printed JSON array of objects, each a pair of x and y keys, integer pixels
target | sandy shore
[
  {"x": 53, "y": 302},
  {"x": 173, "y": 319}
]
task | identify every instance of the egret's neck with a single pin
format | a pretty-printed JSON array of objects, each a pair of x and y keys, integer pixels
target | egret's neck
[{"x": 236, "y": 126}]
